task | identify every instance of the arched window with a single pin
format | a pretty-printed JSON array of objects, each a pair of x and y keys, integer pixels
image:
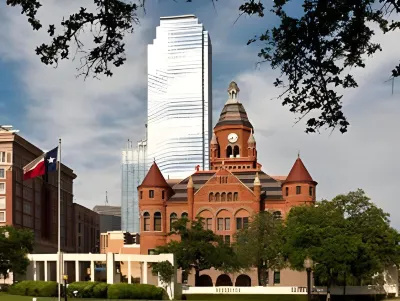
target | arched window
[
  {"x": 235, "y": 197},
  {"x": 228, "y": 151},
  {"x": 157, "y": 221},
  {"x": 146, "y": 221},
  {"x": 184, "y": 215},
  {"x": 217, "y": 197},
  {"x": 230, "y": 197},
  {"x": 211, "y": 197},
  {"x": 235, "y": 151},
  {"x": 172, "y": 218},
  {"x": 277, "y": 214},
  {"x": 223, "y": 197}
]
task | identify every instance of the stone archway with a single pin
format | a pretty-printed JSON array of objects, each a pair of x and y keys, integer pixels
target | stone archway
[
  {"x": 224, "y": 280},
  {"x": 205, "y": 280},
  {"x": 243, "y": 280}
]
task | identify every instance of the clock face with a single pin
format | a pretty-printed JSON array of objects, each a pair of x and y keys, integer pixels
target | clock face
[{"x": 232, "y": 137}]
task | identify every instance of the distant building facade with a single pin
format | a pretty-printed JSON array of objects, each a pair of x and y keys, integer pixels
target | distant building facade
[
  {"x": 133, "y": 169},
  {"x": 33, "y": 204},
  {"x": 179, "y": 110},
  {"x": 87, "y": 229},
  {"x": 109, "y": 217}
]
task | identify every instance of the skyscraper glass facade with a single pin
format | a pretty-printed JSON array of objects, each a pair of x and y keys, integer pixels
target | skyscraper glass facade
[
  {"x": 133, "y": 169},
  {"x": 179, "y": 96}
]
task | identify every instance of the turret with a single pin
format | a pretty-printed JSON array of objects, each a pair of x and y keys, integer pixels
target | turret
[
  {"x": 214, "y": 147},
  {"x": 251, "y": 147},
  {"x": 299, "y": 186},
  {"x": 190, "y": 196},
  {"x": 153, "y": 194}
]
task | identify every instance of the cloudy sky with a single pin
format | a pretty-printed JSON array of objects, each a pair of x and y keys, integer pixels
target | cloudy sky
[{"x": 95, "y": 118}]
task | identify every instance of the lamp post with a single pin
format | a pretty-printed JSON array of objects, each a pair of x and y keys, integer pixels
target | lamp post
[{"x": 308, "y": 264}]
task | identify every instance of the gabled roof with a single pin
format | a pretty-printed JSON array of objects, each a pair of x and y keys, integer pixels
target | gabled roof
[
  {"x": 154, "y": 178},
  {"x": 269, "y": 186},
  {"x": 299, "y": 173}
]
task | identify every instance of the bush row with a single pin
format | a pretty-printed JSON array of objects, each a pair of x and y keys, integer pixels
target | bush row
[
  {"x": 34, "y": 288},
  {"x": 90, "y": 290}
]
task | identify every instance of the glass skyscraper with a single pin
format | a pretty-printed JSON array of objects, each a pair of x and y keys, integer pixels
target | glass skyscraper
[
  {"x": 133, "y": 168},
  {"x": 179, "y": 96}
]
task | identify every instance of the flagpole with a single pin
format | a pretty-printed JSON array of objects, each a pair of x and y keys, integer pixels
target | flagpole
[{"x": 60, "y": 261}]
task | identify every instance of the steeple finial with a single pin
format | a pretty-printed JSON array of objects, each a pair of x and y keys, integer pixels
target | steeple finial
[{"x": 298, "y": 154}]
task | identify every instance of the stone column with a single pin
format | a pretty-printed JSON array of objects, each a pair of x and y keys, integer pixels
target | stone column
[
  {"x": 129, "y": 270},
  {"x": 92, "y": 273},
  {"x": 144, "y": 271},
  {"x": 34, "y": 270},
  {"x": 110, "y": 267},
  {"x": 77, "y": 271},
  {"x": 45, "y": 270}
]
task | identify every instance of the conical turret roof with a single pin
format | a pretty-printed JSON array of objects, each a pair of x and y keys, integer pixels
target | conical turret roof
[
  {"x": 154, "y": 178},
  {"x": 233, "y": 112},
  {"x": 299, "y": 173}
]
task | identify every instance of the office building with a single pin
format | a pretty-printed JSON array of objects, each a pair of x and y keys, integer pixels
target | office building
[
  {"x": 133, "y": 169},
  {"x": 109, "y": 217},
  {"x": 33, "y": 204},
  {"x": 87, "y": 229},
  {"x": 179, "y": 96}
]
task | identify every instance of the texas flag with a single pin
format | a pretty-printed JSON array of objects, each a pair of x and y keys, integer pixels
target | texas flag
[{"x": 41, "y": 165}]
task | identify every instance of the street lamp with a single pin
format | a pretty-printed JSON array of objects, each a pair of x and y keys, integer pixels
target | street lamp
[{"x": 308, "y": 264}]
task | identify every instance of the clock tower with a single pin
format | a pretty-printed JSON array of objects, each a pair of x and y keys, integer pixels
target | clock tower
[{"x": 233, "y": 145}]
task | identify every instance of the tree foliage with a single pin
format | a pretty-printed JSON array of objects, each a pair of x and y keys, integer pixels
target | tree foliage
[
  {"x": 314, "y": 52},
  {"x": 347, "y": 238},
  {"x": 199, "y": 249},
  {"x": 15, "y": 244},
  {"x": 260, "y": 245},
  {"x": 166, "y": 272}
]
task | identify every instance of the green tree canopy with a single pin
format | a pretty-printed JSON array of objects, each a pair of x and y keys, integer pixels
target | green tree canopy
[
  {"x": 199, "y": 249},
  {"x": 260, "y": 245},
  {"x": 15, "y": 244},
  {"x": 314, "y": 51},
  {"x": 339, "y": 236},
  {"x": 166, "y": 272}
]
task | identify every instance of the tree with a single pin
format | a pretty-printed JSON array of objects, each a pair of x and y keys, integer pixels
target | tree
[
  {"x": 199, "y": 249},
  {"x": 260, "y": 245},
  {"x": 166, "y": 272},
  {"x": 15, "y": 244},
  {"x": 339, "y": 236},
  {"x": 314, "y": 52}
]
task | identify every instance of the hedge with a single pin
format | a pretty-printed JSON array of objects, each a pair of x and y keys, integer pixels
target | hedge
[
  {"x": 135, "y": 291},
  {"x": 34, "y": 288}
]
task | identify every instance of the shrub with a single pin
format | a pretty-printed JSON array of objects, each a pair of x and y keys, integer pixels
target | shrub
[
  {"x": 34, "y": 288},
  {"x": 100, "y": 290},
  {"x": 135, "y": 291},
  {"x": 85, "y": 289},
  {"x": 4, "y": 287}
]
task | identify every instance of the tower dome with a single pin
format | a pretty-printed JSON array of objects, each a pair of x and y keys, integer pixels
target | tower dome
[{"x": 233, "y": 112}]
